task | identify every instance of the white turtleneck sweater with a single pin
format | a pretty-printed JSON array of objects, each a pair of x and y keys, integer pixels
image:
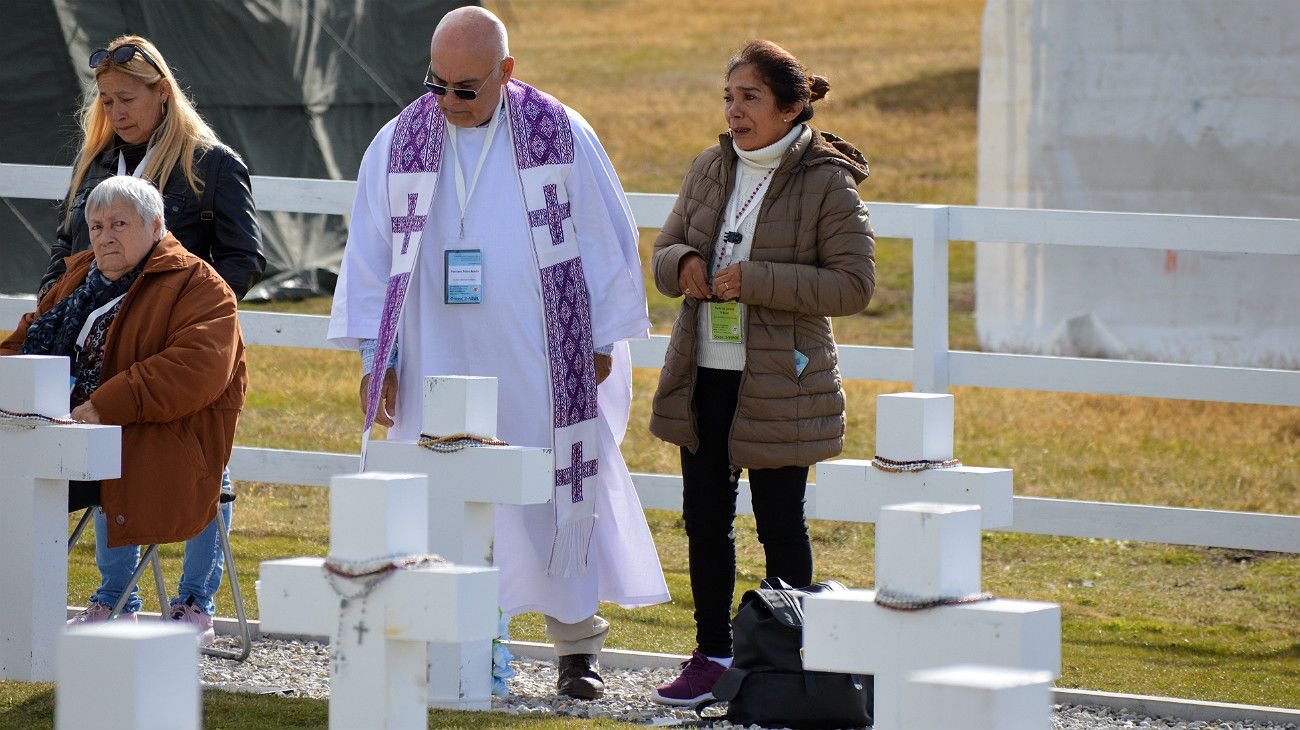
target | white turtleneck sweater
[{"x": 754, "y": 171}]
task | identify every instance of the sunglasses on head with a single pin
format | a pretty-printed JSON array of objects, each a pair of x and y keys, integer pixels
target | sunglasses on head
[
  {"x": 462, "y": 94},
  {"x": 122, "y": 54}
]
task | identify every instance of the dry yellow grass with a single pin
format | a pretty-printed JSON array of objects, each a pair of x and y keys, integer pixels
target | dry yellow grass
[{"x": 648, "y": 76}]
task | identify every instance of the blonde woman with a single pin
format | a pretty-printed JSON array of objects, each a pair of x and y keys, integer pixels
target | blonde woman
[{"x": 137, "y": 121}]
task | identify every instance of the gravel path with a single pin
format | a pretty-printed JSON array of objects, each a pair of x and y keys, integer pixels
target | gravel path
[{"x": 301, "y": 669}]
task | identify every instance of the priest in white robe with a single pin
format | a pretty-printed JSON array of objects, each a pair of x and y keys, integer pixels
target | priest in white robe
[{"x": 490, "y": 236}]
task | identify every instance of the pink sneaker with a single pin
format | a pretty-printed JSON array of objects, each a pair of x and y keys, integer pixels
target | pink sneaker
[
  {"x": 694, "y": 685},
  {"x": 191, "y": 615},
  {"x": 97, "y": 613}
]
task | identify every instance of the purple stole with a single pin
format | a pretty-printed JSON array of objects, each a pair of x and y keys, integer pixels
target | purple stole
[{"x": 543, "y": 153}]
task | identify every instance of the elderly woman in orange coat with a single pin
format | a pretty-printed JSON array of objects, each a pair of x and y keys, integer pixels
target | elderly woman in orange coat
[{"x": 153, "y": 335}]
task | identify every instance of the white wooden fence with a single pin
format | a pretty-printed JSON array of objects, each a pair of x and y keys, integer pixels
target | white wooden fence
[{"x": 929, "y": 365}]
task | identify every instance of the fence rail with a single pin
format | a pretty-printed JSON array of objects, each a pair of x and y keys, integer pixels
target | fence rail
[{"x": 929, "y": 365}]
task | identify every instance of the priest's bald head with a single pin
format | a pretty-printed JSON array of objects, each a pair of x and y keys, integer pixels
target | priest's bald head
[{"x": 469, "y": 56}]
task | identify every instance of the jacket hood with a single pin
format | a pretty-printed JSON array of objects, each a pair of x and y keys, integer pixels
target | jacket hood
[
  {"x": 167, "y": 255},
  {"x": 812, "y": 147},
  {"x": 826, "y": 147}
]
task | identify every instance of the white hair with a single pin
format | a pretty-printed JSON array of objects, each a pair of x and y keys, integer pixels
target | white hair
[{"x": 142, "y": 196}]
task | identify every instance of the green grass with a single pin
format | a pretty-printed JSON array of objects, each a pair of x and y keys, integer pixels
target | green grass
[
  {"x": 1137, "y": 617},
  {"x": 30, "y": 706}
]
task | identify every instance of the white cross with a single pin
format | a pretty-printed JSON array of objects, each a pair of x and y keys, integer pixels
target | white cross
[
  {"x": 35, "y": 466},
  {"x": 379, "y": 676},
  {"x": 977, "y": 697},
  {"x": 128, "y": 676},
  {"x": 926, "y": 551},
  {"x": 465, "y": 487},
  {"x": 912, "y": 427}
]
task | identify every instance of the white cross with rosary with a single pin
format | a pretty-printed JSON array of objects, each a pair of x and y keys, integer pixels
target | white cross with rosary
[
  {"x": 914, "y": 462},
  {"x": 378, "y": 579},
  {"x": 465, "y": 486},
  {"x": 40, "y": 450},
  {"x": 926, "y": 612}
]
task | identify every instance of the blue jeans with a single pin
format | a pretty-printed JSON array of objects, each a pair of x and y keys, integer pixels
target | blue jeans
[{"x": 200, "y": 572}]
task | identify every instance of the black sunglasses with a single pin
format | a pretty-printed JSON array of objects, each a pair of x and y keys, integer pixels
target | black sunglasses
[
  {"x": 122, "y": 54},
  {"x": 462, "y": 94}
]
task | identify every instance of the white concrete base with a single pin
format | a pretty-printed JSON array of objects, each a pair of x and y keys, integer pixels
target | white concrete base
[
  {"x": 977, "y": 697},
  {"x": 128, "y": 676}
]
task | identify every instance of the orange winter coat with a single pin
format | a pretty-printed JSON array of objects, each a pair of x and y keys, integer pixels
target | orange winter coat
[{"x": 174, "y": 377}]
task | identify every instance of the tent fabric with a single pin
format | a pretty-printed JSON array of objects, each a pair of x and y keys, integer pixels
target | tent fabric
[{"x": 298, "y": 88}]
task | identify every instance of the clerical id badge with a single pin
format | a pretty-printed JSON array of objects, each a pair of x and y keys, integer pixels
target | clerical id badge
[
  {"x": 724, "y": 322},
  {"x": 463, "y": 277}
]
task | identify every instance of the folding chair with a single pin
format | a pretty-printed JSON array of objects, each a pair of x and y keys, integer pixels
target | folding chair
[{"x": 150, "y": 557}]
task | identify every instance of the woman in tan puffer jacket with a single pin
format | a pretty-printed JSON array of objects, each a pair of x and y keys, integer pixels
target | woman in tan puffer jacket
[{"x": 767, "y": 241}]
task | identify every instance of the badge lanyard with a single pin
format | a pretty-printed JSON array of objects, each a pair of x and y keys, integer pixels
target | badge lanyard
[
  {"x": 139, "y": 169},
  {"x": 462, "y": 194}
]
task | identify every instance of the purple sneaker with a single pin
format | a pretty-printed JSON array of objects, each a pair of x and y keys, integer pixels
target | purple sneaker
[{"x": 694, "y": 685}]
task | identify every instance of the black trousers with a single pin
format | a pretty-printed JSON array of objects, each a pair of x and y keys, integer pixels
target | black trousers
[
  {"x": 709, "y": 511},
  {"x": 82, "y": 495}
]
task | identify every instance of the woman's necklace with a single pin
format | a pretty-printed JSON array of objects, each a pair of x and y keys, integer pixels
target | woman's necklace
[{"x": 733, "y": 237}]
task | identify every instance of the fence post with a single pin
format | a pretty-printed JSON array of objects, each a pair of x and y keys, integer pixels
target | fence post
[{"x": 930, "y": 298}]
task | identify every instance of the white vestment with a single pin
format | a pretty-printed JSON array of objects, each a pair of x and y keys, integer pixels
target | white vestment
[{"x": 503, "y": 337}]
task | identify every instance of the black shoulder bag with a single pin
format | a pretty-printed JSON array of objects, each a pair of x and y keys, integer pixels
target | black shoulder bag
[{"x": 767, "y": 685}]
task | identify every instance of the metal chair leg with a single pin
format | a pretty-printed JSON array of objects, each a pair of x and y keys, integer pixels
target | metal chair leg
[
  {"x": 150, "y": 557},
  {"x": 164, "y": 609},
  {"x": 150, "y": 554},
  {"x": 245, "y": 635},
  {"x": 81, "y": 526}
]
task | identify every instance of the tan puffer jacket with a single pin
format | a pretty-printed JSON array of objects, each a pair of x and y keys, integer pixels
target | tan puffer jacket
[{"x": 813, "y": 257}]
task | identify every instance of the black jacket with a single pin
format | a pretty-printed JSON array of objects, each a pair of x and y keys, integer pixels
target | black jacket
[{"x": 230, "y": 240}]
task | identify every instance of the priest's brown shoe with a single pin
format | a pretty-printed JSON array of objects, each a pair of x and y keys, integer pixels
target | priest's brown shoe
[{"x": 579, "y": 678}]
